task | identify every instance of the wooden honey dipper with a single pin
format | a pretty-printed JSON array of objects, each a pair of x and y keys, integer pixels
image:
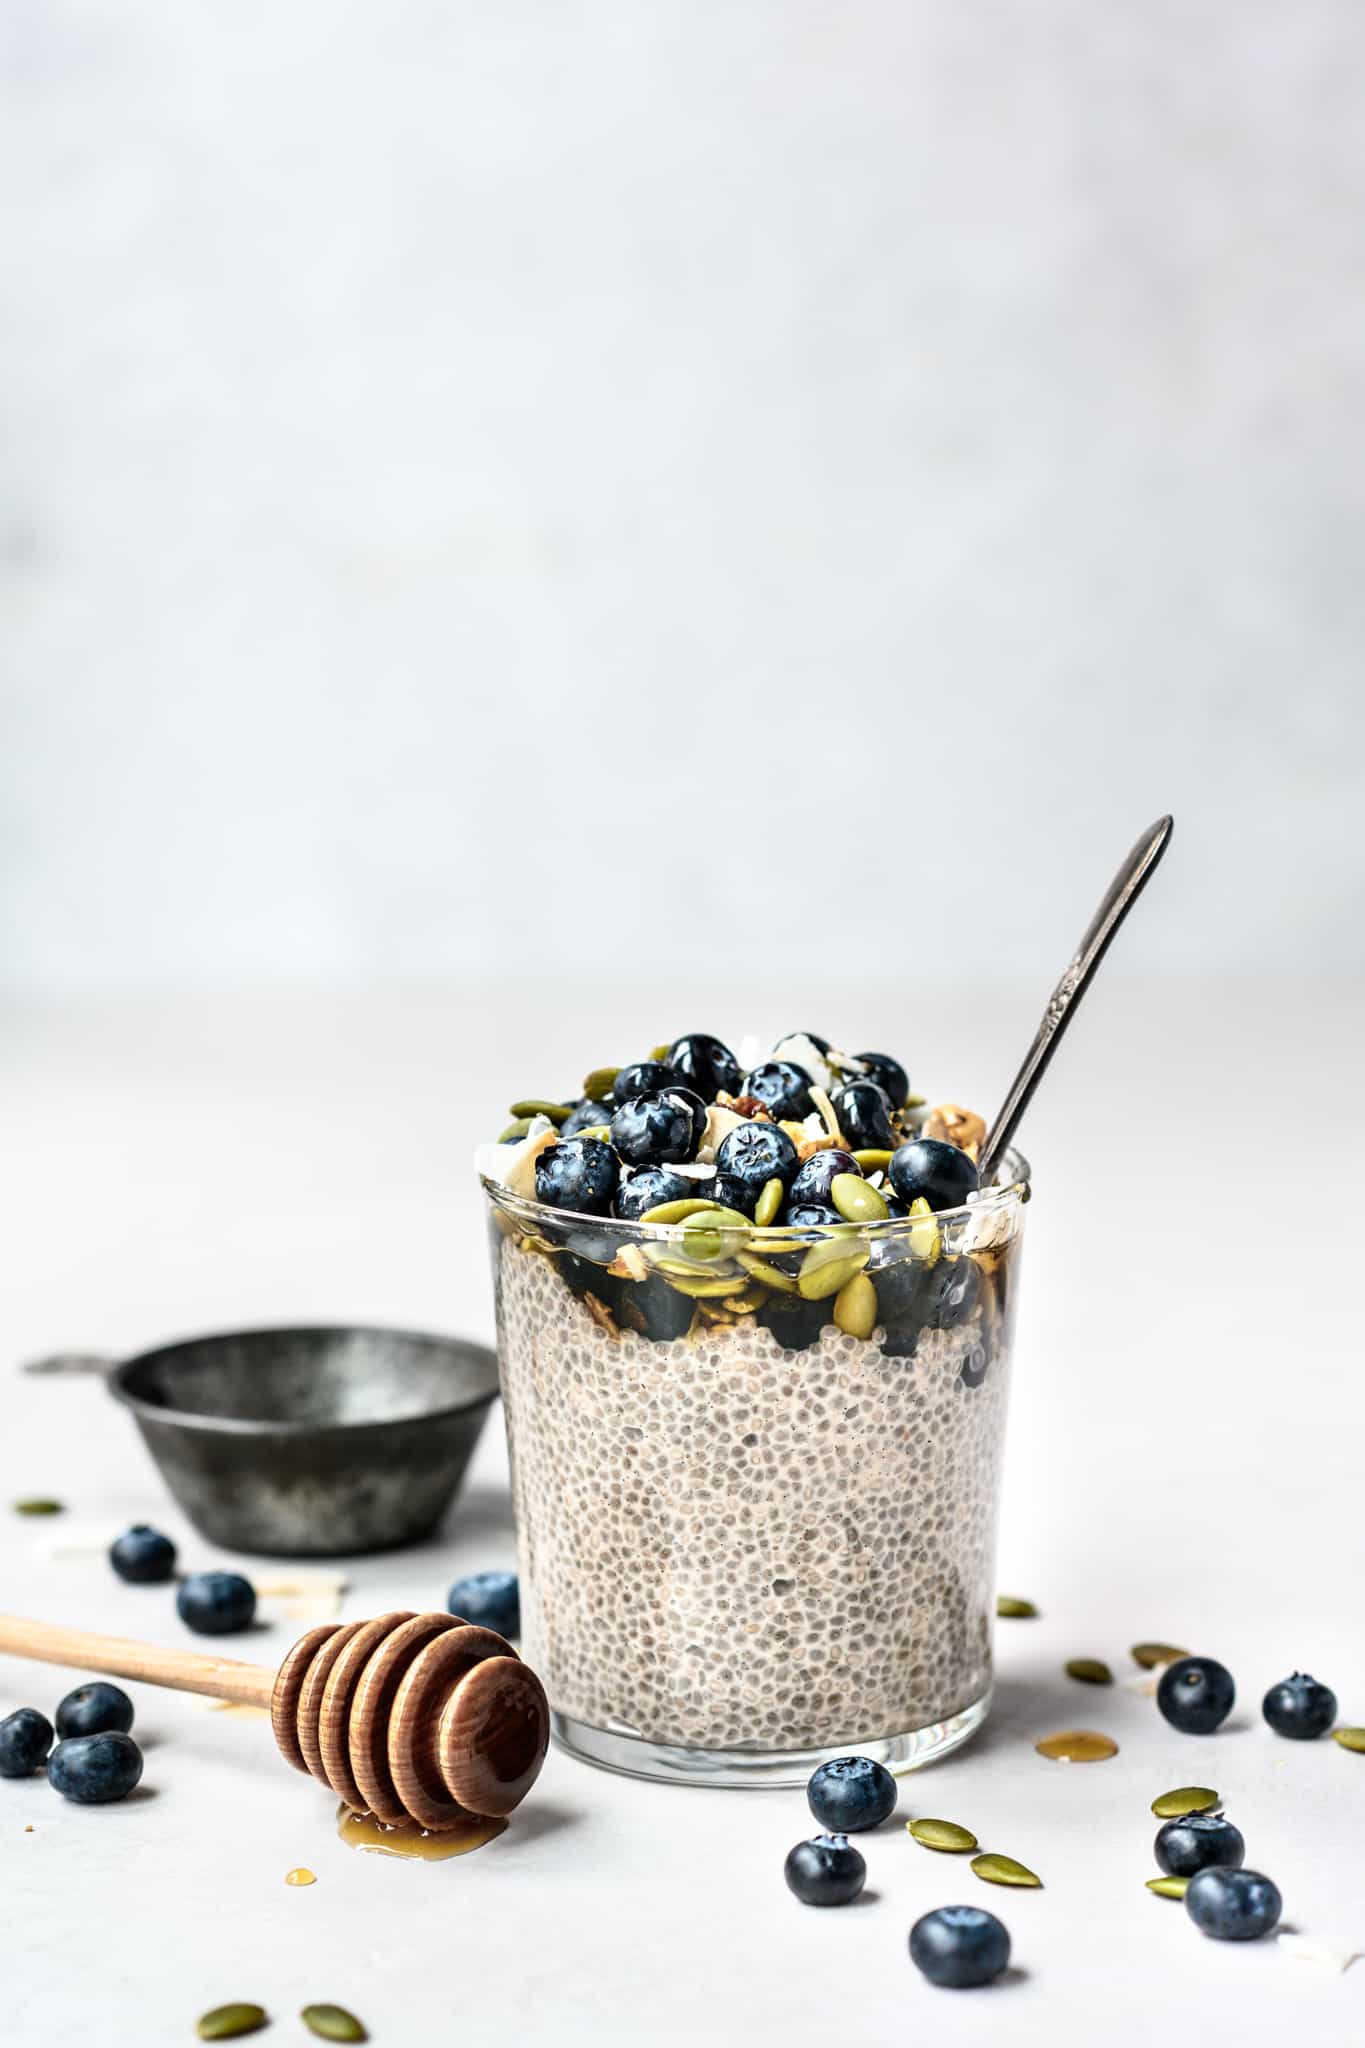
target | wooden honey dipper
[{"x": 410, "y": 1717}]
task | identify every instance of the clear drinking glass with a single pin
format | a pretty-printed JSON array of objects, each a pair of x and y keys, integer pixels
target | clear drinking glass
[{"x": 750, "y": 1538}]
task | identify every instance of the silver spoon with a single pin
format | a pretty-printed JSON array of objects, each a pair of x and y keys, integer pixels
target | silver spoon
[{"x": 1121, "y": 895}]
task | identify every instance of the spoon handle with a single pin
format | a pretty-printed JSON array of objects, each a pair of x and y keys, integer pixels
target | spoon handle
[{"x": 1121, "y": 895}]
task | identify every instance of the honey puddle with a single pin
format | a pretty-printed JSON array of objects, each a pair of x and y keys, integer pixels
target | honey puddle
[{"x": 362, "y": 1831}]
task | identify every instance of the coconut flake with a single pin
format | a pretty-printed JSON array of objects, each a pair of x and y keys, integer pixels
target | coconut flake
[
  {"x": 719, "y": 1124},
  {"x": 514, "y": 1166},
  {"x": 699, "y": 1169},
  {"x": 803, "y": 1052},
  {"x": 1330, "y": 1955}
]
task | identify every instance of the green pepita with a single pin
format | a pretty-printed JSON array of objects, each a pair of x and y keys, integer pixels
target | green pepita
[
  {"x": 660, "y": 1052},
  {"x": 926, "y": 1239},
  {"x": 828, "y": 1265},
  {"x": 669, "y": 1261},
  {"x": 1350, "y": 1738},
  {"x": 710, "y": 1287},
  {"x": 1004, "y": 1870},
  {"x": 38, "y": 1507},
  {"x": 873, "y": 1161},
  {"x": 855, "y": 1307},
  {"x": 769, "y": 1202},
  {"x": 1168, "y": 1887},
  {"x": 856, "y": 1201},
  {"x": 676, "y": 1212},
  {"x": 1090, "y": 1670},
  {"x": 332, "y": 2023},
  {"x": 597, "y": 1085},
  {"x": 942, "y": 1834},
  {"x": 1010, "y": 1609},
  {"x": 771, "y": 1276},
  {"x": 602, "y": 1131},
  {"x": 517, "y": 1129},
  {"x": 1185, "y": 1799},
  {"x": 557, "y": 1112},
  {"x": 226, "y": 2022},
  {"x": 1149, "y": 1655}
]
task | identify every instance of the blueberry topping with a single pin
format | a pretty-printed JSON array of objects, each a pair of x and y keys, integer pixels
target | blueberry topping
[
  {"x": 812, "y": 1038},
  {"x": 757, "y": 1153},
  {"x": 731, "y": 1192},
  {"x": 1199, "y": 1841},
  {"x": 810, "y": 1215},
  {"x": 783, "y": 1087},
  {"x": 960, "y": 1946},
  {"x": 863, "y": 1111},
  {"x": 94, "y": 1769},
  {"x": 580, "y": 1174},
  {"x": 705, "y": 1064},
  {"x": 656, "y": 1130},
  {"x": 929, "y": 1170},
  {"x": 95, "y": 1709},
  {"x": 851, "y": 1793},
  {"x": 1233, "y": 1905},
  {"x": 795, "y": 1323},
  {"x": 825, "y": 1871},
  {"x": 587, "y": 1116},
  {"x": 216, "y": 1603},
  {"x": 25, "y": 1739},
  {"x": 653, "y": 1309},
  {"x": 889, "y": 1075},
  {"x": 650, "y": 1186},
  {"x": 645, "y": 1077},
  {"x": 816, "y": 1175},
  {"x": 488, "y": 1600},
  {"x": 143, "y": 1556},
  {"x": 1196, "y": 1695},
  {"x": 1300, "y": 1708}
]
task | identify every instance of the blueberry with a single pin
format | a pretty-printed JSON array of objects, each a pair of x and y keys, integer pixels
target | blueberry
[
  {"x": 758, "y": 1153},
  {"x": 732, "y": 1192},
  {"x": 795, "y": 1324},
  {"x": 579, "y": 1174},
  {"x": 654, "y": 1309},
  {"x": 645, "y": 1077},
  {"x": 863, "y": 1111},
  {"x": 1199, "y": 1841},
  {"x": 811, "y": 1037},
  {"x": 889, "y": 1075},
  {"x": 949, "y": 1290},
  {"x": 705, "y": 1064},
  {"x": 25, "y": 1739},
  {"x": 825, "y": 1871},
  {"x": 93, "y": 1769},
  {"x": 488, "y": 1600},
  {"x": 1300, "y": 1708},
  {"x": 783, "y": 1087},
  {"x": 810, "y": 1215},
  {"x": 95, "y": 1709},
  {"x": 960, "y": 1946},
  {"x": 587, "y": 1116},
  {"x": 143, "y": 1556},
  {"x": 929, "y": 1170},
  {"x": 216, "y": 1603},
  {"x": 588, "y": 1274},
  {"x": 656, "y": 1130},
  {"x": 851, "y": 1793},
  {"x": 1196, "y": 1695},
  {"x": 816, "y": 1175},
  {"x": 647, "y": 1188},
  {"x": 1233, "y": 1905}
]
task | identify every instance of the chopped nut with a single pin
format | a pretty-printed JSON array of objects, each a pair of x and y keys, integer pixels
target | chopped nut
[
  {"x": 955, "y": 1126},
  {"x": 629, "y": 1264},
  {"x": 601, "y": 1315},
  {"x": 826, "y": 1109}
]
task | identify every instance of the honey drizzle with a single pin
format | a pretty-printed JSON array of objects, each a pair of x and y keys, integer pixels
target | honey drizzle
[{"x": 363, "y": 1831}]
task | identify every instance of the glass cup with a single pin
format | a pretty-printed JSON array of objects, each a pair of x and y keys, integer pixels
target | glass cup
[{"x": 756, "y": 1477}]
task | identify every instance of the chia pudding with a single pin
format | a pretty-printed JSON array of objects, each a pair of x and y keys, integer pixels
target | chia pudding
[{"x": 756, "y": 1426}]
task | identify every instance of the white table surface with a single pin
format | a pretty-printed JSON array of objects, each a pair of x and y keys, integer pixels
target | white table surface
[{"x": 1185, "y": 1463}]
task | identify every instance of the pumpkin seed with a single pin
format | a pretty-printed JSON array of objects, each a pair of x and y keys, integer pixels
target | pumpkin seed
[
  {"x": 1077, "y": 1746},
  {"x": 856, "y": 1201},
  {"x": 660, "y": 1052},
  {"x": 226, "y": 2022},
  {"x": 1185, "y": 1799},
  {"x": 926, "y": 1239},
  {"x": 855, "y": 1307},
  {"x": 873, "y": 1161},
  {"x": 332, "y": 2023},
  {"x": 602, "y": 1131},
  {"x": 558, "y": 1112},
  {"x": 1149, "y": 1655},
  {"x": 1004, "y": 1870},
  {"x": 769, "y": 1202},
  {"x": 669, "y": 1261},
  {"x": 828, "y": 1265},
  {"x": 1010, "y": 1609},
  {"x": 1350, "y": 1738},
  {"x": 1090, "y": 1670},
  {"x": 676, "y": 1212},
  {"x": 518, "y": 1129},
  {"x": 38, "y": 1507},
  {"x": 771, "y": 1276},
  {"x": 701, "y": 1290},
  {"x": 942, "y": 1834},
  {"x": 1168, "y": 1887},
  {"x": 597, "y": 1085}
]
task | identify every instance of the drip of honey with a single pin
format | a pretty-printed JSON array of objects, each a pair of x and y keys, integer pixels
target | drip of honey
[
  {"x": 300, "y": 1876},
  {"x": 363, "y": 1831}
]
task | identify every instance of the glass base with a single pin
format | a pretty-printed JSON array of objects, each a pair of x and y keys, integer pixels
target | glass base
[{"x": 632, "y": 1757}]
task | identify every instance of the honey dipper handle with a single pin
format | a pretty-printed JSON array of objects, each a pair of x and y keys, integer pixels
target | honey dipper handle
[{"x": 223, "y": 1678}]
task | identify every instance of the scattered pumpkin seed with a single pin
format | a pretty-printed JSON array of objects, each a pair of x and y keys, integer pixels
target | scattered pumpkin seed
[
  {"x": 1090, "y": 1670},
  {"x": 1004, "y": 1870},
  {"x": 597, "y": 1085},
  {"x": 558, "y": 1112},
  {"x": 1168, "y": 1887},
  {"x": 676, "y": 1212},
  {"x": 332, "y": 2023},
  {"x": 827, "y": 1266},
  {"x": 873, "y": 1160},
  {"x": 1077, "y": 1746},
  {"x": 942, "y": 1834},
  {"x": 518, "y": 1129},
  {"x": 38, "y": 1507},
  {"x": 1185, "y": 1799},
  {"x": 856, "y": 1201},
  {"x": 926, "y": 1239},
  {"x": 769, "y": 1202},
  {"x": 771, "y": 1276},
  {"x": 1149, "y": 1655},
  {"x": 1010, "y": 1609},
  {"x": 855, "y": 1307},
  {"x": 1350, "y": 1738},
  {"x": 226, "y": 2022}
]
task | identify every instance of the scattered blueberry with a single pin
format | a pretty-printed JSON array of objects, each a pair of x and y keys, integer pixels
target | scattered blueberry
[
  {"x": 1300, "y": 1708},
  {"x": 851, "y": 1793},
  {"x": 645, "y": 1077},
  {"x": 143, "y": 1556},
  {"x": 816, "y": 1175},
  {"x": 960, "y": 1946},
  {"x": 578, "y": 1173},
  {"x": 863, "y": 1110},
  {"x": 705, "y": 1064},
  {"x": 929, "y": 1170},
  {"x": 1196, "y": 1695},
  {"x": 783, "y": 1087},
  {"x": 94, "y": 1769},
  {"x": 825, "y": 1871},
  {"x": 25, "y": 1739},
  {"x": 587, "y": 1115},
  {"x": 889, "y": 1074},
  {"x": 731, "y": 1192},
  {"x": 488, "y": 1600},
  {"x": 1233, "y": 1905},
  {"x": 647, "y": 1188},
  {"x": 216, "y": 1603},
  {"x": 757, "y": 1153},
  {"x": 95, "y": 1709},
  {"x": 655, "y": 1130},
  {"x": 1199, "y": 1841}
]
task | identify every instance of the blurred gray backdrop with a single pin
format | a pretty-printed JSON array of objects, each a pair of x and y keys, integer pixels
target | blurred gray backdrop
[{"x": 511, "y": 483}]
